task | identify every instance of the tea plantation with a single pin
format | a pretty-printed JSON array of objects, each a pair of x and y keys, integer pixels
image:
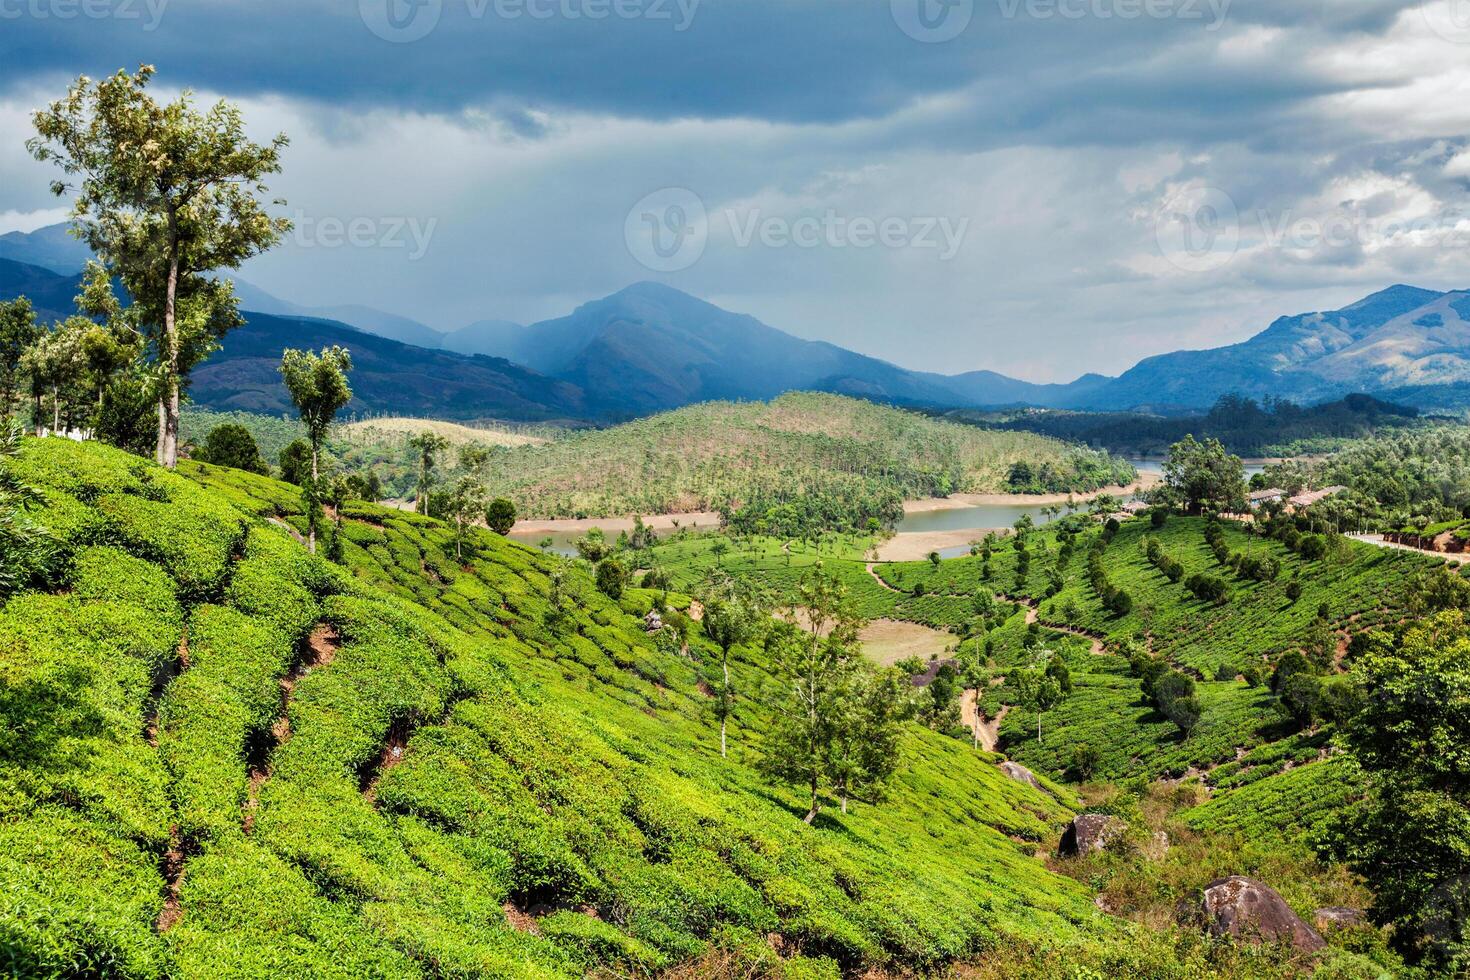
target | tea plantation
[{"x": 224, "y": 757}]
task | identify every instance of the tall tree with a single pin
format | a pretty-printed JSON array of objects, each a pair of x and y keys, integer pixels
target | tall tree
[
  {"x": 733, "y": 616},
  {"x": 57, "y": 365},
  {"x": 466, "y": 504},
  {"x": 865, "y": 751},
  {"x": 428, "y": 445},
  {"x": 1199, "y": 473},
  {"x": 318, "y": 387},
  {"x": 18, "y": 331},
  {"x": 166, "y": 194},
  {"x": 815, "y": 664}
]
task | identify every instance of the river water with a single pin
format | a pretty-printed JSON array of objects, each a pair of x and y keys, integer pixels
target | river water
[
  {"x": 1006, "y": 515},
  {"x": 980, "y": 516}
]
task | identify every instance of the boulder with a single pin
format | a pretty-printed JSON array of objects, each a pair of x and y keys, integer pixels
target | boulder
[
  {"x": 1021, "y": 774},
  {"x": 1089, "y": 833},
  {"x": 1244, "y": 908},
  {"x": 1338, "y": 917}
]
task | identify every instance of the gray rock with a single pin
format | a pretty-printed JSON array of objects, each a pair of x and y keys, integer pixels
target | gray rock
[
  {"x": 1021, "y": 774},
  {"x": 1244, "y": 908},
  {"x": 1089, "y": 833},
  {"x": 1338, "y": 917}
]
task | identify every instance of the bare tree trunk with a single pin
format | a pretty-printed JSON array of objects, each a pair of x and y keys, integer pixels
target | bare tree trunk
[
  {"x": 55, "y": 409},
  {"x": 725, "y": 664},
  {"x": 316, "y": 504},
  {"x": 844, "y": 801},
  {"x": 168, "y": 404},
  {"x": 816, "y": 805}
]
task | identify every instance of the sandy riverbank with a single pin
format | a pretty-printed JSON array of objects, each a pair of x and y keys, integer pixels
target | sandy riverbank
[
  {"x": 916, "y": 545},
  {"x": 957, "y": 501},
  {"x": 704, "y": 520}
]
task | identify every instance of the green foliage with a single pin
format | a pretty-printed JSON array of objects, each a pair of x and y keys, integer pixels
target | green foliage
[
  {"x": 166, "y": 195},
  {"x": 800, "y": 463},
  {"x": 1410, "y": 835},
  {"x": 1197, "y": 474},
  {"x": 500, "y": 515},
  {"x": 459, "y": 736},
  {"x": 231, "y": 444},
  {"x": 295, "y": 460}
]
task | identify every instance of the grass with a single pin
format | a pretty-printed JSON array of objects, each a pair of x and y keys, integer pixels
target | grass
[{"x": 399, "y": 429}]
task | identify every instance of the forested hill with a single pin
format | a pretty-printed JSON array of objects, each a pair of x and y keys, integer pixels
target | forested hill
[
  {"x": 845, "y": 458},
  {"x": 1247, "y": 427}
]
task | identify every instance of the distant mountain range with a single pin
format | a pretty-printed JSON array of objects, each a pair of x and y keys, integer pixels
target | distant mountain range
[{"x": 649, "y": 347}]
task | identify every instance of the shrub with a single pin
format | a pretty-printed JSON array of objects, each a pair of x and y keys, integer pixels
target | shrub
[
  {"x": 500, "y": 516},
  {"x": 231, "y": 444},
  {"x": 1085, "y": 761}
]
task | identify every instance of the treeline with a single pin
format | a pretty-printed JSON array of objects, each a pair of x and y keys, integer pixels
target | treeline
[
  {"x": 1272, "y": 427},
  {"x": 802, "y": 460},
  {"x": 1412, "y": 479}
]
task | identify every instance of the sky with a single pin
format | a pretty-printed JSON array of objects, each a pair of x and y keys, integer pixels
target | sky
[{"x": 1038, "y": 187}]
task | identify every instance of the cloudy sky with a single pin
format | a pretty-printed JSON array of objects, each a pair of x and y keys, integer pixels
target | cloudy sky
[{"x": 1039, "y": 187}]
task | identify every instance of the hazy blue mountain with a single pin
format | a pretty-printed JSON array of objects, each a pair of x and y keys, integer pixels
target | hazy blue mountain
[
  {"x": 493, "y": 337},
  {"x": 50, "y": 248},
  {"x": 388, "y": 376},
  {"x": 54, "y": 248},
  {"x": 650, "y": 347},
  {"x": 51, "y": 294},
  {"x": 1376, "y": 344}
]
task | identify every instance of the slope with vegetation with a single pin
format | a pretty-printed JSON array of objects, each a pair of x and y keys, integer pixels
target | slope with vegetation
[
  {"x": 249, "y": 761},
  {"x": 824, "y": 460}
]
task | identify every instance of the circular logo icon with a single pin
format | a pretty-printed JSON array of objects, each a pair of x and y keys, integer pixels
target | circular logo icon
[
  {"x": 932, "y": 21},
  {"x": 1450, "y": 19},
  {"x": 667, "y": 230},
  {"x": 400, "y": 21},
  {"x": 1198, "y": 229}
]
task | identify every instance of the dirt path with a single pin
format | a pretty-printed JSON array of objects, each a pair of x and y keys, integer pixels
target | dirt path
[
  {"x": 1377, "y": 540},
  {"x": 1033, "y": 615},
  {"x": 173, "y": 880},
  {"x": 321, "y": 649},
  {"x": 873, "y": 571}
]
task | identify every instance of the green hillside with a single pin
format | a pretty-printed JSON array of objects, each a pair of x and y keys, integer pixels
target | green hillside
[
  {"x": 226, "y": 757},
  {"x": 803, "y": 450}
]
